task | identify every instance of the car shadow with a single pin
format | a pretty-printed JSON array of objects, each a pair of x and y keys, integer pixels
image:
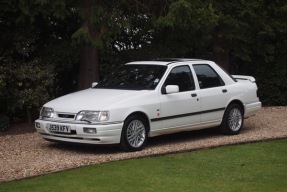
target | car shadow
[
  {"x": 183, "y": 137},
  {"x": 169, "y": 139},
  {"x": 85, "y": 148}
]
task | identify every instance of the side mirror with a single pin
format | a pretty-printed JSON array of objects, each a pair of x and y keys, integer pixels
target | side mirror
[
  {"x": 171, "y": 89},
  {"x": 94, "y": 84}
]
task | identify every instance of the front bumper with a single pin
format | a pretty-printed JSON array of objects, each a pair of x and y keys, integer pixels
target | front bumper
[{"x": 108, "y": 133}]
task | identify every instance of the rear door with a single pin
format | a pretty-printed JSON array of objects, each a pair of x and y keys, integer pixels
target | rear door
[{"x": 213, "y": 92}]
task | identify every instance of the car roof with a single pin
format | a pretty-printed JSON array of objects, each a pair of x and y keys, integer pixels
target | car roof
[{"x": 167, "y": 61}]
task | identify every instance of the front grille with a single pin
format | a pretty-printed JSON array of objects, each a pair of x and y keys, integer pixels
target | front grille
[{"x": 63, "y": 115}]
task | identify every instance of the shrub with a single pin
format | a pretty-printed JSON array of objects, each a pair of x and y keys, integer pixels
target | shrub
[{"x": 4, "y": 122}]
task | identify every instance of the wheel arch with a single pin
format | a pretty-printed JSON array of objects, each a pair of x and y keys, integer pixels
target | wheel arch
[
  {"x": 238, "y": 102},
  {"x": 143, "y": 115}
]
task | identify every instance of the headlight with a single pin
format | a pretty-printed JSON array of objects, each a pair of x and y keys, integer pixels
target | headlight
[
  {"x": 93, "y": 116},
  {"x": 47, "y": 112}
]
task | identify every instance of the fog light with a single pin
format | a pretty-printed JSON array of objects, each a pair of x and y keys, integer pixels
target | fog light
[
  {"x": 37, "y": 125},
  {"x": 90, "y": 130}
]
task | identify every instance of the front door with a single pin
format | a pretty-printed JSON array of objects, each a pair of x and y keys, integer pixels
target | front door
[{"x": 179, "y": 110}]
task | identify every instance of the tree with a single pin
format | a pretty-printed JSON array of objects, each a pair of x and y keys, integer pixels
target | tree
[
  {"x": 185, "y": 30},
  {"x": 28, "y": 74},
  {"x": 76, "y": 42},
  {"x": 270, "y": 52}
]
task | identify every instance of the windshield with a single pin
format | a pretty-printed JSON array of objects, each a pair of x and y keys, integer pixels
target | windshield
[{"x": 133, "y": 77}]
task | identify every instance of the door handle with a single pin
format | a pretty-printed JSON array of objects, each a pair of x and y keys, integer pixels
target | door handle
[
  {"x": 193, "y": 95},
  {"x": 224, "y": 90}
]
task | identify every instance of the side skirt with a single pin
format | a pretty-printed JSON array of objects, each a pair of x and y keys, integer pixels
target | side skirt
[{"x": 190, "y": 127}]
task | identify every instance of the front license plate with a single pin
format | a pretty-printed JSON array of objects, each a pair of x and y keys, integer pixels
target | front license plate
[{"x": 59, "y": 128}]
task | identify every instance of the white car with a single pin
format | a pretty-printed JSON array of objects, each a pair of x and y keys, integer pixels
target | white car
[{"x": 149, "y": 98}]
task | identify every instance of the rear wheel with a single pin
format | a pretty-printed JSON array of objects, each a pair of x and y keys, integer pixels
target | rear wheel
[
  {"x": 232, "y": 121},
  {"x": 134, "y": 134}
]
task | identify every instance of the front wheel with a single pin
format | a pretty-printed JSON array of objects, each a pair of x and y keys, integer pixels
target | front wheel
[
  {"x": 232, "y": 121},
  {"x": 134, "y": 134}
]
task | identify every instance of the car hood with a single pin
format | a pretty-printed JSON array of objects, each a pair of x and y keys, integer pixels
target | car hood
[{"x": 91, "y": 99}]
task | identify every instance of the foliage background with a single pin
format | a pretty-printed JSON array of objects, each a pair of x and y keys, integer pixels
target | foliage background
[{"x": 51, "y": 48}]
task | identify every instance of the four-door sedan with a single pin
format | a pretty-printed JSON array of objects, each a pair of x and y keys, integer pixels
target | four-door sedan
[{"x": 149, "y": 98}]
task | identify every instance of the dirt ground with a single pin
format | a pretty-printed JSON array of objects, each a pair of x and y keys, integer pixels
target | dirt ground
[{"x": 23, "y": 153}]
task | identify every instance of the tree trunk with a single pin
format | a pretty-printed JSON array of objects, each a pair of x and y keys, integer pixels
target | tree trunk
[
  {"x": 89, "y": 61},
  {"x": 28, "y": 113},
  {"x": 89, "y": 67},
  {"x": 221, "y": 49}
]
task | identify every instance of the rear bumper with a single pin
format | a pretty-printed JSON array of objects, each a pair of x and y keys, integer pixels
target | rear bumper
[
  {"x": 105, "y": 133},
  {"x": 250, "y": 109}
]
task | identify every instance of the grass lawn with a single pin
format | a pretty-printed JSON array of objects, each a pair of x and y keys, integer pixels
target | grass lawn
[{"x": 250, "y": 167}]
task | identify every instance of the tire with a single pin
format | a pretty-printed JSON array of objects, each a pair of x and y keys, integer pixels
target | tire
[
  {"x": 134, "y": 134},
  {"x": 232, "y": 121}
]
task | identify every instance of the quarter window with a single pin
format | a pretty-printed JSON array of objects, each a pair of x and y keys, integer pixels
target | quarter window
[
  {"x": 207, "y": 77},
  {"x": 182, "y": 77}
]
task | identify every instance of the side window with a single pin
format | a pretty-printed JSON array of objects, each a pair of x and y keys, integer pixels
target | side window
[
  {"x": 207, "y": 77},
  {"x": 182, "y": 77}
]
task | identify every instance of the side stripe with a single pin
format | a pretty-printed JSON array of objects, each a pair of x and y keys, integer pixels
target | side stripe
[{"x": 187, "y": 114}]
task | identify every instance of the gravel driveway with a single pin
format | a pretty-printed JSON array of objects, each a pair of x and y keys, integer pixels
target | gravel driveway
[{"x": 27, "y": 154}]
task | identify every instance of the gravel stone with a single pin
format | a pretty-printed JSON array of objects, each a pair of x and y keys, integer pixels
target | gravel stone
[{"x": 26, "y": 154}]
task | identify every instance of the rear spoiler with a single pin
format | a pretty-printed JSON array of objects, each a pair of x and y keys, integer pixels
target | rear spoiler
[{"x": 244, "y": 78}]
